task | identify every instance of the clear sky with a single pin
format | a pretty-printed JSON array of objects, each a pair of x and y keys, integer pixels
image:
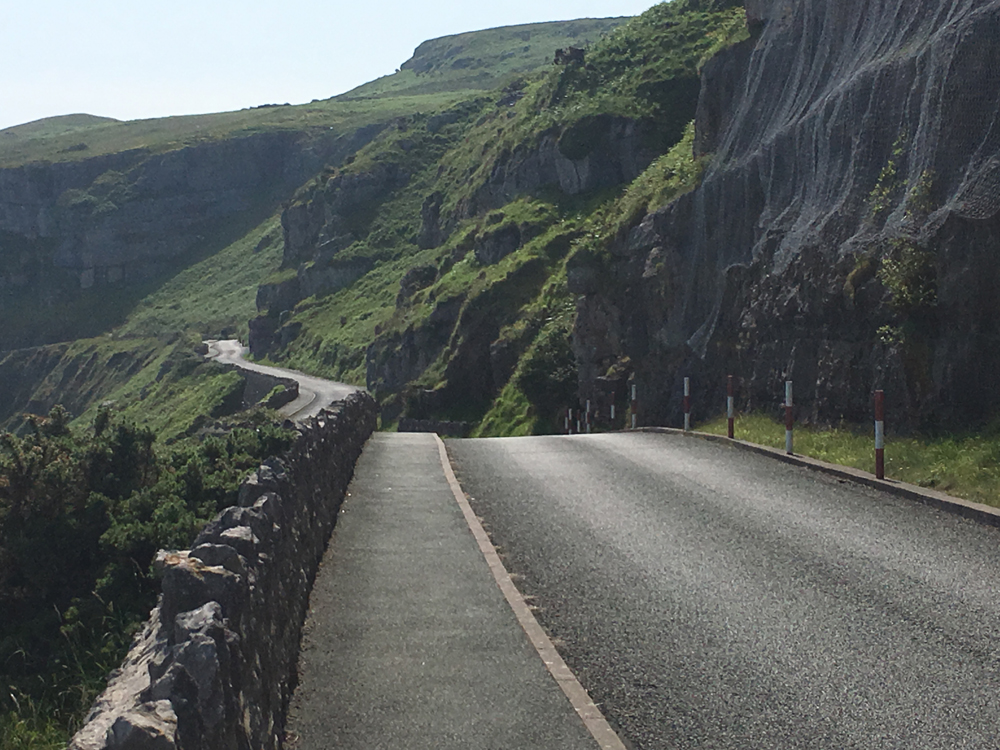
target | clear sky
[{"x": 133, "y": 59}]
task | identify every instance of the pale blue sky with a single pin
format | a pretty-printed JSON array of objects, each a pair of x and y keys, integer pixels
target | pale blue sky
[{"x": 132, "y": 59}]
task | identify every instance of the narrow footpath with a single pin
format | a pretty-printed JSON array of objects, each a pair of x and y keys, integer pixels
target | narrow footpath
[{"x": 410, "y": 643}]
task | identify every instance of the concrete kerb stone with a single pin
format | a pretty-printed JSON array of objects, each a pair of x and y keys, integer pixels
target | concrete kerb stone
[{"x": 975, "y": 511}]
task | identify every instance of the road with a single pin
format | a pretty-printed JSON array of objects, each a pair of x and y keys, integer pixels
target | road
[
  {"x": 314, "y": 393},
  {"x": 712, "y": 598}
]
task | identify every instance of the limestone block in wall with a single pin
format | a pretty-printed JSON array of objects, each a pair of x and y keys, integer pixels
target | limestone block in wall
[
  {"x": 150, "y": 726},
  {"x": 118, "y": 715}
]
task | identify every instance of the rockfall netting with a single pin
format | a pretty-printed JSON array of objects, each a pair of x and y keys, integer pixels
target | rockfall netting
[{"x": 849, "y": 140}]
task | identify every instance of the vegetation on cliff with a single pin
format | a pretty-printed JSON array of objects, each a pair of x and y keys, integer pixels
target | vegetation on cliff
[
  {"x": 468, "y": 219},
  {"x": 82, "y": 514}
]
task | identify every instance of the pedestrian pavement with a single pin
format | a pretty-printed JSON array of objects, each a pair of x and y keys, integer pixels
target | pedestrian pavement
[{"x": 409, "y": 643}]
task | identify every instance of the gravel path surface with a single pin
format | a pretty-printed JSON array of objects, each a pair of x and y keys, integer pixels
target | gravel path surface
[{"x": 712, "y": 598}]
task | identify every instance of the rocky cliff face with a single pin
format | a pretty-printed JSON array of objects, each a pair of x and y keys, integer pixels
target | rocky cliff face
[
  {"x": 125, "y": 217},
  {"x": 845, "y": 235},
  {"x": 326, "y": 217},
  {"x": 598, "y": 151}
]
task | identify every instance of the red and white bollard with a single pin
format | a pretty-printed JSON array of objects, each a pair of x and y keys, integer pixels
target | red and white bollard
[
  {"x": 789, "y": 417},
  {"x": 687, "y": 404},
  {"x": 635, "y": 407},
  {"x": 880, "y": 434},
  {"x": 731, "y": 406}
]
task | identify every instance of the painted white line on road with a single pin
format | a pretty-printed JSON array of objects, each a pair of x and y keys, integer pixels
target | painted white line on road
[{"x": 585, "y": 708}]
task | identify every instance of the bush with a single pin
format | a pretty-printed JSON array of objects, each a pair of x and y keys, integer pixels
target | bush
[{"x": 81, "y": 518}]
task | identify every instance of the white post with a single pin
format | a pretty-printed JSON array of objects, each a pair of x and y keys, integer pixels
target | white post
[
  {"x": 687, "y": 404},
  {"x": 789, "y": 417},
  {"x": 880, "y": 434}
]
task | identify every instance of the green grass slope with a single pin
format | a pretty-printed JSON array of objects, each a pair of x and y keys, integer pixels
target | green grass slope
[
  {"x": 440, "y": 333},
  {"x": 484, "y": 60},
  {"x": 494, "y": 54}
]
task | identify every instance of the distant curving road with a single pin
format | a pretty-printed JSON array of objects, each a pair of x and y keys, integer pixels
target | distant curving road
[
  {"x": 712, "y": 598},
  {"x": 315, "y": 394}
]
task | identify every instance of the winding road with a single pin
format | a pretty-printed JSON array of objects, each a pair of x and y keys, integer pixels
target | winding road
[{"x": 315, "y": 393}]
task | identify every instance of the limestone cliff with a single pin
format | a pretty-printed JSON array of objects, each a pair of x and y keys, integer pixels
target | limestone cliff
[
  {"x": 845, "y": 234},
  {"x": 120, "y": 219}
]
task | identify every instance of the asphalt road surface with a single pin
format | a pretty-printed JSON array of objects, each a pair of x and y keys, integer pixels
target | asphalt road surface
[
  {"x": 315, "y": 394},
  {"x": 713, "y": 598}
]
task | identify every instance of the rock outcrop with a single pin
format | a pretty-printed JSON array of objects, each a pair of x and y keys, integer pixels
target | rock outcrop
[
  {"x": 123, "y": 216},
  {"x": 595, "y": 152},
  {"x": 326, "y": 217},
  {"x": 845, "y": 235},
  {"x": 215, "y": 666}
]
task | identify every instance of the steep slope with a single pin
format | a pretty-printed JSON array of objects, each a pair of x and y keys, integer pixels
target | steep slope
[
  {"x": 156, "y": 227},
  {"x": 431, "y": 265},
  {"x": 846, "y": 230}
]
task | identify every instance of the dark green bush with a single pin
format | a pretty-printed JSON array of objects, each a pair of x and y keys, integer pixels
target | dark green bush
[{"x": 82, "y": 515}]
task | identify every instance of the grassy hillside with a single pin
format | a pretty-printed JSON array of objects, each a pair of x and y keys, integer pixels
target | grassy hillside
[
  {"x": 422, "y": 342},
  {"x": 428, "y": 82},
  {"x": 484, "y": 60},
  {"x": 163, "y": 134}
]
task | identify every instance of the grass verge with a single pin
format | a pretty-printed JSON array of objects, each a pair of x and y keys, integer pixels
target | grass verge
[{"x": 966, "y": 466}]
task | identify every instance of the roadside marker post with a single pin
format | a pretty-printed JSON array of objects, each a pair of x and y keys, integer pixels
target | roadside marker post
[
  {"x": 731, "y": 406},
  {"x": 789, "y": 418},
  {"x": 635, "y": 406},
  {"x": 880, "y": 434},
  {"x": 687, "y": 404}
]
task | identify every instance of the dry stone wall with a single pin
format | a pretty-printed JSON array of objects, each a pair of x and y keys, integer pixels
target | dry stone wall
[{"x": 215, "y": 665}]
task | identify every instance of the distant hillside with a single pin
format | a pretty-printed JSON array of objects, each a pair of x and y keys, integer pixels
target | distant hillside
[
  {"x": 151, "y": 227},
  {"x": 483, "y": 60},
  {"x": 442, "y": 72},
  {"x": 53, "y": 126}
]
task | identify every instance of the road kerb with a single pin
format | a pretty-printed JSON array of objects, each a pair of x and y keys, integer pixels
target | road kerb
[
  {"x": 976, "y": 511},
  {"x": 586, "y": 709}
]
